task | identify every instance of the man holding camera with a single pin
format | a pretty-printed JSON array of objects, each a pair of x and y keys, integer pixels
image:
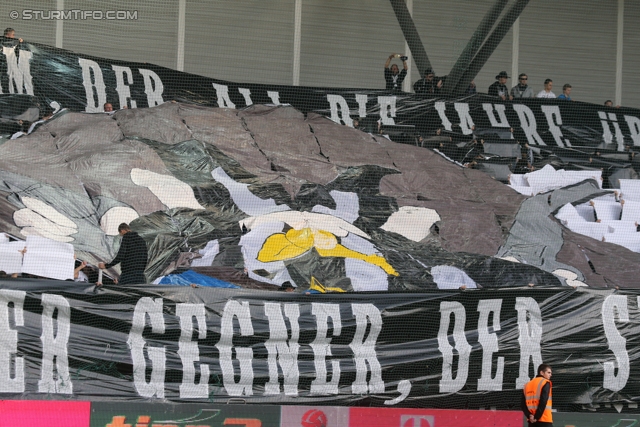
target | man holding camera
[{"x": 394, "y": 77}]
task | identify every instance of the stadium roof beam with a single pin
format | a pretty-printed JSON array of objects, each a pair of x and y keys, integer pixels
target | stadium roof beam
[
  {"x": 411, "y": 35},
  {"x": 481, "y": 58},
  {"x": 475, "y": 43}
]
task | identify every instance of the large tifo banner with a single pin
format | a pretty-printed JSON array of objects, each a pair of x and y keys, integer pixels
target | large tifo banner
[
  {"x": 85, "y": 83},
  {"x": 438, "y": 349}
]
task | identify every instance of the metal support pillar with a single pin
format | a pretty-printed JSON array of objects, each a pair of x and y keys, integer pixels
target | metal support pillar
[
  {"x": 411, "y": 35},
  {"x": 481, "y": 33},
  {"x": 490, "y": 46}
]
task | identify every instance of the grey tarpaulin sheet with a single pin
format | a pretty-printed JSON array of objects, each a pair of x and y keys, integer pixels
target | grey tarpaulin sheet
[{"x": 180, "y": 171}]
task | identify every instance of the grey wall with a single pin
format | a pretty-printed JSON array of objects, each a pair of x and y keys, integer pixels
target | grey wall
[
  {"x": 345, "y": 43},
  {"x": 571, "y": 42}
]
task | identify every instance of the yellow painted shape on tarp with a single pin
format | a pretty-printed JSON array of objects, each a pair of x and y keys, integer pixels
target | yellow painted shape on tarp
[
  {"x": 279, "y": 247},
  {"x": 317, "y": 286},
  {"x": 343, "y": 252},
  {"x": 293, "y": 243}
]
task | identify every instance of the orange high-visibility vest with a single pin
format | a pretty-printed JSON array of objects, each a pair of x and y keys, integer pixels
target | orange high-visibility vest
[{"x": 532, "y": 392}]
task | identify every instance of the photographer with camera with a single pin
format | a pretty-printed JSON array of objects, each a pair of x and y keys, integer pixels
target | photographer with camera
[
  {"x": 429, "y": 84},
  {"x": 394, "y": 77}
]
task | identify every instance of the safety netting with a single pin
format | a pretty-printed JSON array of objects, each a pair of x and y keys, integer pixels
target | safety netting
[{"x": 461, "y": 236}]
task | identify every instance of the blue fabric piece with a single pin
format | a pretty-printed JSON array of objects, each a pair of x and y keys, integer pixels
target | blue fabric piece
[{"x": 190, "y": 276}]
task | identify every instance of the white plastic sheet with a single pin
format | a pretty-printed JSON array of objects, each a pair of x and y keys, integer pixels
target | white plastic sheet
[
  {"x": 48, "y": 258},
  {"x": 11, "y": 257}
]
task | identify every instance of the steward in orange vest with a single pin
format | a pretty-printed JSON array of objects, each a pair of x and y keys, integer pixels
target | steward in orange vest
[{"x": 536, "y": 399}]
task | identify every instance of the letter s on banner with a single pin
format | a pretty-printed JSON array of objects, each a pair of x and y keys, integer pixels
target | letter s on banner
[
  {"x": 152, "y": 307},
  {"x": 617, "y": 343}
]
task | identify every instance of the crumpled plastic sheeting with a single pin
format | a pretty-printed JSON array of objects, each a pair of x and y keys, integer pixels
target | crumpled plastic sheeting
[
  {"x": 476, "y": 211},
  {"x": 535, "y": 237},
  {"x": 265, "y": 148}
]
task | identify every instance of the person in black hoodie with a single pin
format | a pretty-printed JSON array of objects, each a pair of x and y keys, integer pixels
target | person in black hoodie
[{"x": 133, "y": 256}]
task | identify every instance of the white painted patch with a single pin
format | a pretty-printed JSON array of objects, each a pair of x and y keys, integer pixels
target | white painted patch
[
  {"x": 114, "y": 217},
  {"x": 208, "y": 254},
  {"x": 412, "y": 222},
  {"x": 510, "y": 258},
  {"x": 40, "y": 219},
  {"x": 449, "y": 277},
  {"x": 48, "y": 212},
  {"x": 172, "y": 192},
  {"x": 570, "y": 277}
]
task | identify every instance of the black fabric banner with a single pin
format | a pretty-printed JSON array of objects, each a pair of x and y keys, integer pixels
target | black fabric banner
[
  {"x": 85, "y": 83},
  {"x": 439, "y": 349}
]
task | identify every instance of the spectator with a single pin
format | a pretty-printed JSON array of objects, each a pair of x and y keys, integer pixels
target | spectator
[
  {"x": 78, "y": 274},
  {"x": 132, "y": 255},
  {"x": 546, "y": 93},
  {"x": 499, "y": 88},
  {"x": 566, "y": 91},
  {"x": 287, "y": 287},
  {"x": 10, "y": 33},
  {"x": 471, "y": 90},
  {"x": 608, "y": 103},
  {"x": 394, "y": 77},
  {"x": 429, "y": 84},
  {"x": 108, "y": 108},
  {"x": 522, "y": 89}
]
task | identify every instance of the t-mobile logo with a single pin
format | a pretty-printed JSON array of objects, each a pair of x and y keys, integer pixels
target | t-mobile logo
[{"x": 418, "y": 421}]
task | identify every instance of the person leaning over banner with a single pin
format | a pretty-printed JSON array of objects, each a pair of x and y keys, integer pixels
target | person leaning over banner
[
  {"x": 522, "y": 89},
  {"x": 536, "y": 399},
  {"x": 133, "y": 256},
  {"x": 546, "y": 92},
  {"x": 9, "y": 38},
  {"x": 394, "y": 77},
  {"x": 566, "y": 92},
  {"x": 499, "y": 88},
  {"x": 429, "y": 84}
]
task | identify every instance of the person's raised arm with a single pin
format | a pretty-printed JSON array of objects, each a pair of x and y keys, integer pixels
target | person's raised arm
[
  {"x": 386, "y": 64},
  {"x": 404, "y": 63},
  {"x": 76, "y": 271}
]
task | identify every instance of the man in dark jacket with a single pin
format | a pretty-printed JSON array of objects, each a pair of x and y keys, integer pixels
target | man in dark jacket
[
  {"x": 500, "y": 88},
  {"x": 133, "y": 256},
  {"x": 429, "y": 84}
]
